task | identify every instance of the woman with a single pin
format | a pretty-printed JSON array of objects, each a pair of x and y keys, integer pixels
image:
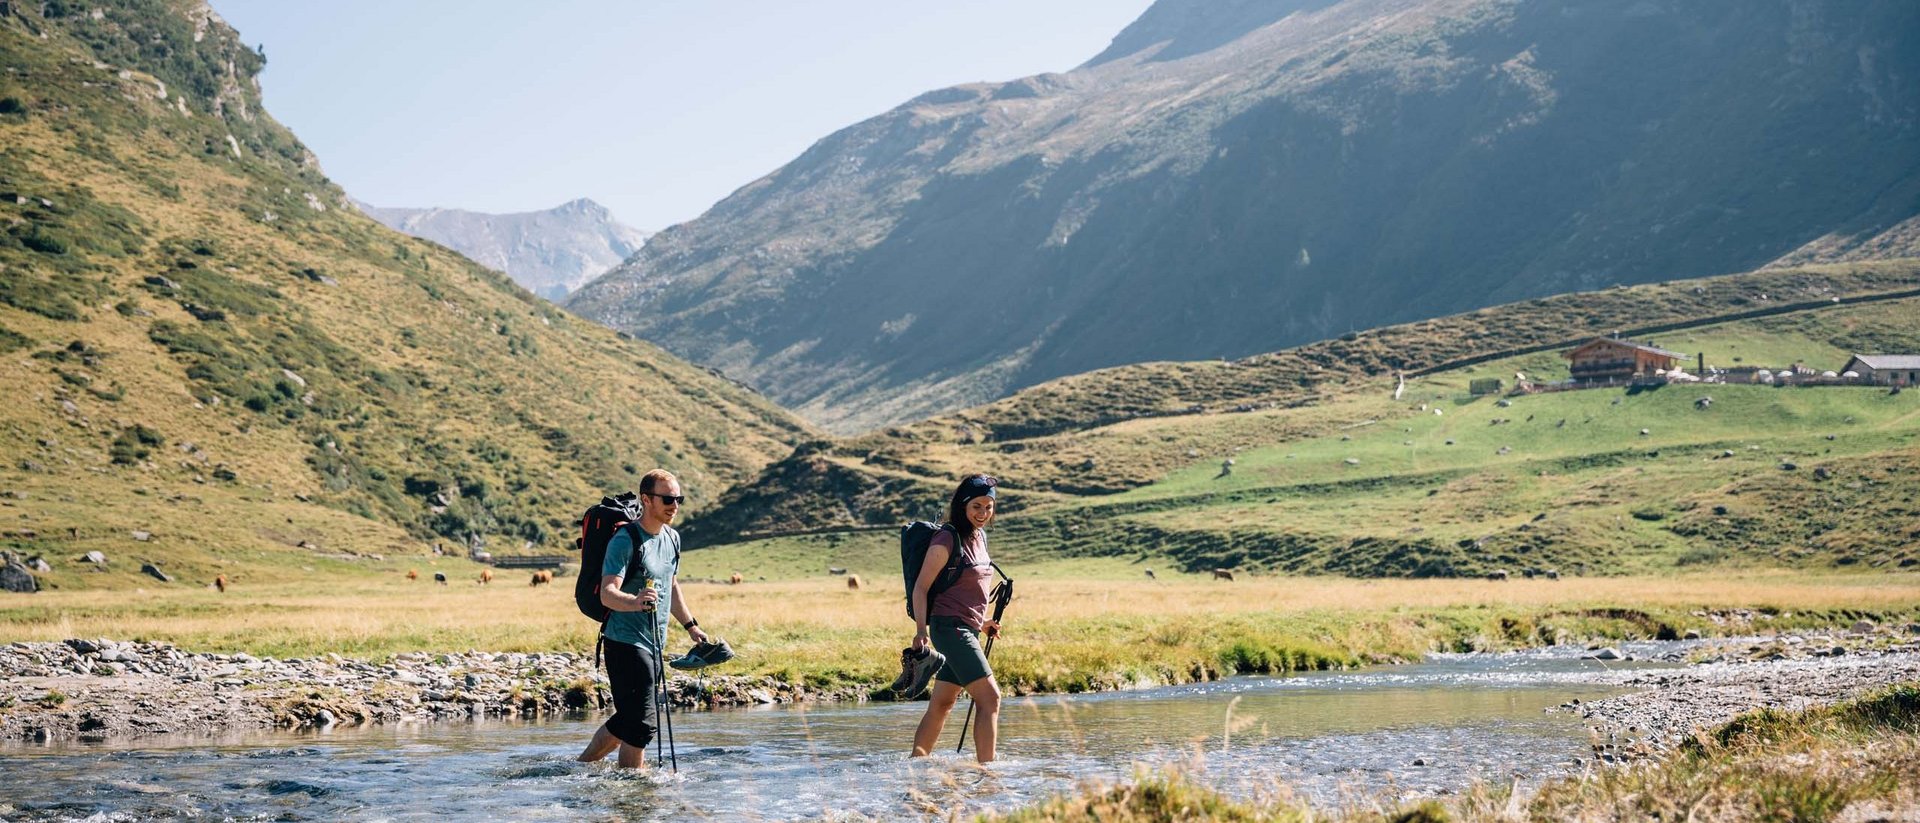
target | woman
[{"x": 957, "y": 617}]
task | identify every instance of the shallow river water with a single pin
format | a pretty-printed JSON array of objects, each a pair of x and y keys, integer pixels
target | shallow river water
[{"x": 1328, "y": 735}]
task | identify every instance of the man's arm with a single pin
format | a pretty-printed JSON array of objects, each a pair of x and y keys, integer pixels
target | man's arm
[
  {"x": 613, "y": 598},
  {"x": 613, "y": 570}
]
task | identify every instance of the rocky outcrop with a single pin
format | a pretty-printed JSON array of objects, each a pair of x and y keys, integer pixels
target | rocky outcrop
[{"x": 16, "y": 576}]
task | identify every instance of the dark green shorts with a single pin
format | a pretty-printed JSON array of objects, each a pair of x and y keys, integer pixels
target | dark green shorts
[{"x": 966, "y": 662}]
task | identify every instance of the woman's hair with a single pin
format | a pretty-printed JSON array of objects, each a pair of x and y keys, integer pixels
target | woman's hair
[{"x": 975, "y": 485}]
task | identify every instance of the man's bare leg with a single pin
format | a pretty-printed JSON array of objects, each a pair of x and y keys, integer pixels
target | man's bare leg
[
  {"x": 632, "y": 757},
  {"x": 602, "y": 744}
]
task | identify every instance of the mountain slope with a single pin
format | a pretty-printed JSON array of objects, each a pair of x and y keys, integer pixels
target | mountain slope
[
  {"x": 1343, "y": 471},
  {"x": 1079, "y": 440},
  {"x": 204, "y": 344},
  {"x": 550, "y": 252},
  {"x": 1238, "y": 177}
]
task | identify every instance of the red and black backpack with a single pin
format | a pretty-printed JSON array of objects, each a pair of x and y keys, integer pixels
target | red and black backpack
[{"x": 596, "y": 528}]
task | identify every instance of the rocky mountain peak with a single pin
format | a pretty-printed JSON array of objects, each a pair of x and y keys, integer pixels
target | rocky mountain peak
[{"x": 550, "y": 252}]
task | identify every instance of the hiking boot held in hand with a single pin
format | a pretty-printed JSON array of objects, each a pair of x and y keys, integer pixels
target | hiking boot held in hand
[
  {"x": 702, "y": 655},
  {"x": 917, "y": 671}
]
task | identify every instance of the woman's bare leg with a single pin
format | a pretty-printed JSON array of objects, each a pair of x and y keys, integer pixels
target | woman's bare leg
[
  {"x": 938, "y": 705},
  {"x": 986, "y": 727}
]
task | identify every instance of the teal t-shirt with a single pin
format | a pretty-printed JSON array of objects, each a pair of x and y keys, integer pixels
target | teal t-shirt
[{"x": 659, "y": 561}]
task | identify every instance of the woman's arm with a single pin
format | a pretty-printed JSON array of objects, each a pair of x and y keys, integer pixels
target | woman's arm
[{"x": 930, "y": 568}]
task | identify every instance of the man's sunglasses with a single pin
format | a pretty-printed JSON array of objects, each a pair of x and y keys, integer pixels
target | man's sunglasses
[{"x": 668, "y": 499}]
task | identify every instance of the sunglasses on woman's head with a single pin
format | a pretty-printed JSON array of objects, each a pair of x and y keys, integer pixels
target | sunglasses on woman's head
[{"x": 669, "y": 499}]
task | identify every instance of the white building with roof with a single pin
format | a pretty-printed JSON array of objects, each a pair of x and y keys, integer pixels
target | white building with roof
[{"x": 1886, "y": 369}]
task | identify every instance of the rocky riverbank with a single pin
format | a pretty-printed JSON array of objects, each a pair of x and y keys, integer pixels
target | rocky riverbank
[
  {"x": 103, "y": 690},
  {"x": 1733, "y": 676}
]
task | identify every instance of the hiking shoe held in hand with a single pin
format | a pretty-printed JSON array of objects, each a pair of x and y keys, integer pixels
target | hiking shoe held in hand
[
  {"x": 917, "y": 671},
  {"x": 711, "y": 653}
]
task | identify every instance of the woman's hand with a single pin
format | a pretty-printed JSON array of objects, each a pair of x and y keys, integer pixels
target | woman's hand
[
  {"x": 991, "y": 628},
  {"x": 920, "y": 640}
]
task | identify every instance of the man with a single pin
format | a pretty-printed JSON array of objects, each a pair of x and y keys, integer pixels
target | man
[{"x": 632, "y": 588}]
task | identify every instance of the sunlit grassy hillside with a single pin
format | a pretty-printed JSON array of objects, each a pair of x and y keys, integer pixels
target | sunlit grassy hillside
[
  {"x": 1341, "y": 477},
  {"x": 202, "y": 342}
]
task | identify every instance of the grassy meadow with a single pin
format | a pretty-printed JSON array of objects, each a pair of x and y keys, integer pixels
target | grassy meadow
[{"x": 1077, "y": 625}]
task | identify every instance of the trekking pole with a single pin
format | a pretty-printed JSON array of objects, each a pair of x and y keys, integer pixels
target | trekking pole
[
  {"x": 1002, "y": 595},
  {"x": 666, "y": 697}
]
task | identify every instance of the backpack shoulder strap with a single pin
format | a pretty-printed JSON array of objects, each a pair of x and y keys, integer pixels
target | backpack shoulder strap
[
  {"x": 959, "y": 552},
  {"x": 639, "y": 546}
]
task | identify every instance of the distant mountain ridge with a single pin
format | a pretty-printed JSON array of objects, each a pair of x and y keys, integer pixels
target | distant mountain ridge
[
  {"x": 550, "y": 252},
  {"x": 1242, "y": 176}
]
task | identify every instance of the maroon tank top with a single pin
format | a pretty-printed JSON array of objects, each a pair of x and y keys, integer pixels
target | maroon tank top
[{"x": 967, "y": 597}]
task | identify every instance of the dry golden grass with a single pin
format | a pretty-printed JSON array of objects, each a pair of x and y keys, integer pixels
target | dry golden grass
[{"x": 1061, "y": 634}]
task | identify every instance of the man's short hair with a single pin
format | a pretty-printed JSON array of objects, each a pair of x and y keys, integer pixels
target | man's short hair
[{"x": 655, "y": 479}]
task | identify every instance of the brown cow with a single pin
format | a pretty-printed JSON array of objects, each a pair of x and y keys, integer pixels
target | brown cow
[
  {"x": 220, "y": 582},
  {"x": 1223, "y": 574},
  {"x": 541, "y": 577},
  {"x": 486, "y": 576},
  {"x": 853, "y": 582},
  {"x": 413, "y": 574},
  {"x": 735, "y": 579}
]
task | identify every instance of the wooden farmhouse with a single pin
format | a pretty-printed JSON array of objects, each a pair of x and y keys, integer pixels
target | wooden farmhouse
[
  {"x": 1885, "y": 369},
  {"x": 1609, "y": 358}
]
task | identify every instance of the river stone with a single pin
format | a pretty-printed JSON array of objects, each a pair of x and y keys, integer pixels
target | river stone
[
  {"x": 1692, "y": 634},
  {"x": 95, "y": 558},
  {"x": 1864, "y": 627},
  {"x": 1608, "y": 653},
  {"x": 143, "y": 536},
  {"x": 154, "y": 571}
]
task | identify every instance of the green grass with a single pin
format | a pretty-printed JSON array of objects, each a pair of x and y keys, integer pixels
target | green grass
[
  {"x": 1356, "y": 482},
  {"x": 1810, "y": 765}
]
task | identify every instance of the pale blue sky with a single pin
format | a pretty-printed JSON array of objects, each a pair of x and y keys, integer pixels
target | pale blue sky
[{"x": 655, "y": 108}]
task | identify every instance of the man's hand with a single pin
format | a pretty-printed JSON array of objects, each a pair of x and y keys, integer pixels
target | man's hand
[
  {"x": 991, "y": 628},
  {"x": 920, "y": 640},
  {"x": 698, "y": 634},
  {"x": 648, "y": 599}
]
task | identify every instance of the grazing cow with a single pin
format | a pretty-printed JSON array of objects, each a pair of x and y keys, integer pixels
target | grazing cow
[
  {"x": 486, "y": 576},
  {"x": 1497, "y": 574},
  {"x": 1223, "y": 574},
  {"x": 853, "y": 583},
  {"x": 220, "y": 582},
  {"x": 1150, "y": 575},
  {"x": 413, "y": 574},
  {"x": 835, "y": 570},
  {"x": 735, "y": 579},
  {"x": 541, "y": 578},
  {"x": 440, "y": 578}
]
